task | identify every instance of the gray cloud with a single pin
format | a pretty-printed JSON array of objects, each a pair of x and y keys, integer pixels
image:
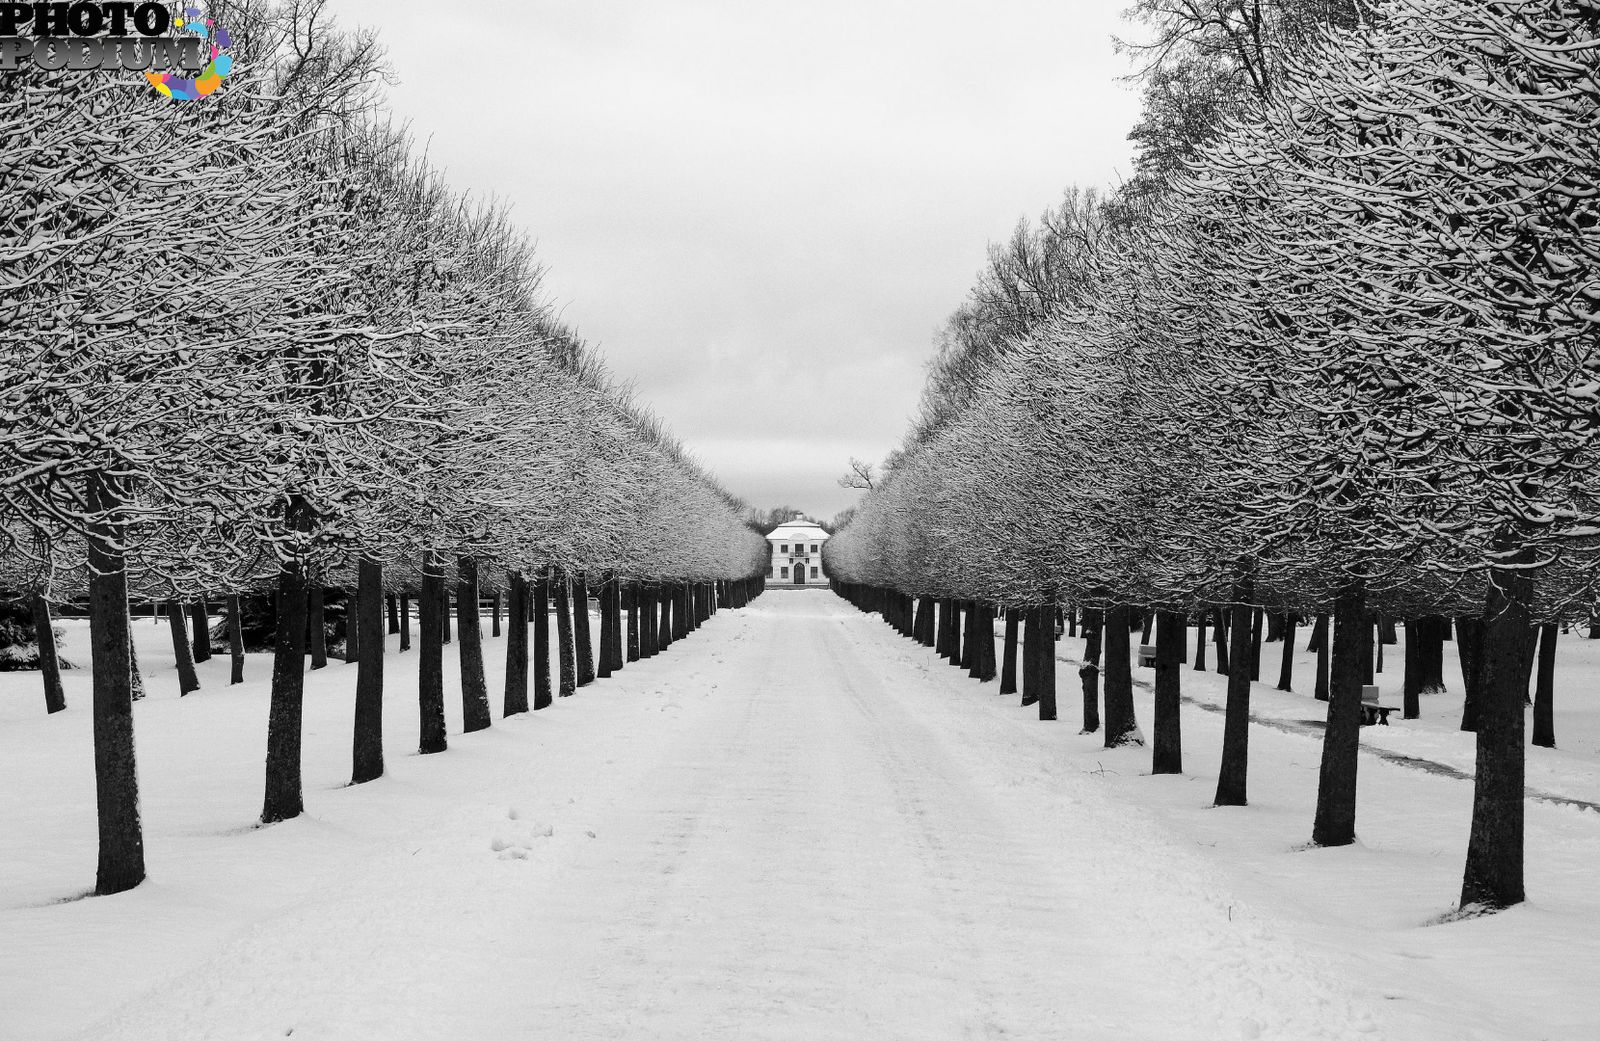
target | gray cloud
[{"x": 763, "y": 212}]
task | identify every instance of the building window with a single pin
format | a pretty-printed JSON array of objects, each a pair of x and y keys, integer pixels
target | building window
[
  {"x": 813, "y": 572},
  {"x": 813, "y": 548},
  {"x": 783, "y": 572},
  {"x": 783, "y": 548}
]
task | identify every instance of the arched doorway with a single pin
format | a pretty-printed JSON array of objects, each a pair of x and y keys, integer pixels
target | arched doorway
[{"x": 800, "y": 574}]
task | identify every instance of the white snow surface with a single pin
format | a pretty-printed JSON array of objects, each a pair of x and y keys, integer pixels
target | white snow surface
[{"x": 794, "y": 824}]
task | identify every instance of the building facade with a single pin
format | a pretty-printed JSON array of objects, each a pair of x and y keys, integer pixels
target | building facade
[{"x": 797, "y": 554}]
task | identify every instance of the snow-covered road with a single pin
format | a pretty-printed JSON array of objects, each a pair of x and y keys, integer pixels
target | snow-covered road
[{"x": 786, "y": 827}]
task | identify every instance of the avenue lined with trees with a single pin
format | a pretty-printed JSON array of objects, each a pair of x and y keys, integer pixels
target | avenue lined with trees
[
  {"x": 1332, "y": 357},
  {"x": 295, "y": 376}
]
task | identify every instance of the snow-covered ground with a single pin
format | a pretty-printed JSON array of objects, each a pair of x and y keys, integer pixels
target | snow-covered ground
[{"x": 795, "y": 824}]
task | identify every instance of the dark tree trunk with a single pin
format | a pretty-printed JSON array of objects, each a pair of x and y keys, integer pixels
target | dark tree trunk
[
  {"x": 648, "y": 625},
  {"x": 367, "y": 745},
  {"x": 202, "y": 630},
  {"x": 187, "y": 680},
  {"x": 55, "y": 698},
  {"x": 1544, "y": 724},
  {"x": 1377, "y": 648},
  {"x": 1255, "y": 642},
  {"x": 1387, "y": 635},
  {"x": 1411, "y": 684},
  {"x": 1032, "y": 681},
  {"x": 969, "y": 643},
  {"x": 352, "y": 622},
  {"x": 1072, "y": 621},
  {"x": 283, "y": 794},
  {"x": 121, "y": 838},
  {"x": 1121, "y": 726},
  {"x": 1432, "y": 631},
  {"x": 393, "y": 604},
  {"x": 431, "y": 626},
  {"x": 1219, "y": 635},
  {"x": 1319, "y": 634},
  {"x": 1147, "y": 625},
  {"x": 956, "y": 633},
  {"x": 582, "y": 644},
  {"x": 235, "y": 639},
  {"x": 633, "y": 621},
  {"x": 1286, "y": 630},
  {"x": 1233, "y": 775},
  {"x": 1493, "y": 874},
  {"x": 1089, "y": 671},
  {"x": 516, "y": 699},
  {"x": 494, "y": 613},
  {"x": 1469, "y": 647},
  {"x": 602, "y": 665},
  {"x": 1335, "y": 822},
  {"x": 942, "y": 640},
  {"x": 316, "y": 634},
  {"x": 1200, "y": 641},
  {"x": 562, "y": 591},
  {"x": 474, "y": 690},
  {"x": 540, "y": 612},
  {"x": 1044, "y": 618},
  {"x": 135, "y": 678},
  {"x": 1167, "y": 751},
  {"x": 1008, "y": 658},
  {"x": 664, "y": 608},
  {"x": 1275, "y": 621},
  {"x": 405, "y": 621},
  {"x": 444, "y": 611}
]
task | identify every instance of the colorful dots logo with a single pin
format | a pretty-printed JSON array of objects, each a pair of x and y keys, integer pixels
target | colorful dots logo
[{"x": 183, "y": 88}]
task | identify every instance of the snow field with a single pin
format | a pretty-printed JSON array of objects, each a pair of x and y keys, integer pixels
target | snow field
[{"x": 794, "y": 824}]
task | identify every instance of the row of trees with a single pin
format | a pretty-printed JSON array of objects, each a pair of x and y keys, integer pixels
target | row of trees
[
  {"x": 1333, "y": 352},
  {"x": 257, "y": 341}
]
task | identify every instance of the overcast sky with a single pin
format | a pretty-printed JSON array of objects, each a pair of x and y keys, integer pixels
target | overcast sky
[{"x": 763, "y": 211}]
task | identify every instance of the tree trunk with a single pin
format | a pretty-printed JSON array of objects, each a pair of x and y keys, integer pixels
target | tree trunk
[
  {"x": 55, "y": 697},
  {"x": 431, "y": 625},
  {"x": 1411, "y": 683},
  {"x": 1469, "y": 648},
  {"x": 602, "y": 663},
  {"x": 1493, "y": 874},
  {"x": 985, "y": 668},
  {"x": 1432, "y": 631},
  {"x": 1323, "y": 690},
  {"x": 121, "y": 838},
  {"x": 1544, "y": 724},
  {"x": 516, "y": 699},
  {"x": 1008, "y": 658},
  {"x": 475, "y": 713},
  {"x": 580, "y": 630},
  {"x": 187, "y": 680},
  {"x": 1121, "y": 726},
  {"x": 352, "y": 621},
  {"x": 1147, "y": 625},
  {"x": 283, "y": 798},
  {"x": 1275, "y": 622},
  {"x": 1089, "y": 671},
  {"x": 1219, "y": 635},
  {"x": 540, "y": 611},
  {"x": 1335, "y": 822},
  {"x": 1233, "y": 774},
  {"x": 664, "y": 608},
  {"x": 405, "y": 621},
  {"x": 135, "y": 678},
  {"x": 1032, "y": 680},
  {"x": 316, "y": 634},
  {"x": 562, "y": 591},
  {"x": 633, "y": 621},
  {"x": 367, "y": 745},
  {"x": 1286, "y": 632},
  {"x": 1255, "y": 642},
  {"x": 202, "y": 630},
  {"x": 494, "y": 613},
  {"x": 1200, "y": 641},
  {"x": 1044, "y": 618},
  {"x": 393, "y": 604},
  {"x": 1167, "y": 751},
  {"x": 235, "y": 639},
  {"x": 647, "y": 621}
]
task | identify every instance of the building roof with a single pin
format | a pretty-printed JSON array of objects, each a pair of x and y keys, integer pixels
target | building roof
[{"x": 797, "y": 531}]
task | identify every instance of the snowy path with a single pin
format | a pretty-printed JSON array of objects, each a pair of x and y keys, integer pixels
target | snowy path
[{"x": 786, "y": 827}]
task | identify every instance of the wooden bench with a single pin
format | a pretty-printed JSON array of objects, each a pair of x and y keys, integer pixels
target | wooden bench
[
  {"x": 1147, "y": 656},
  {"x": 1372, "y": 713}
]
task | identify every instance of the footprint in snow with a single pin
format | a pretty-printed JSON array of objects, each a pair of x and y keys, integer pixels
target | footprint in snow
[{"x": 517, "y": 843}]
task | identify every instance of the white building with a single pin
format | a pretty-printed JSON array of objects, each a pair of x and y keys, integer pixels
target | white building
[{"x": 797, "y": 554}]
